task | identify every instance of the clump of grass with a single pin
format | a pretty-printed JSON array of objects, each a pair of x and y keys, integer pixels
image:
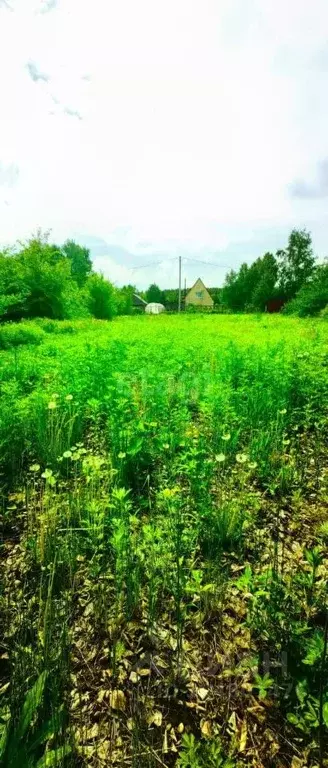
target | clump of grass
[
  {"x": 20, "y": 334},
  {"x": 58, "y": 326}
]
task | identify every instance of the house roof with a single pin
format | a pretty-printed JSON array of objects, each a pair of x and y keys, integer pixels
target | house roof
[
  {"x": 138, "y": 301},
  {"x": 199, "y": 283}
]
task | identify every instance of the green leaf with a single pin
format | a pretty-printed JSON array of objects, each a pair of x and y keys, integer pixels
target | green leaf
[
  {"x": 301, "y": 691},
  {"x": 314, "y": 649},
  {"x": 31, "y": 705},
  {"x": 292, "y": 718},
  {"x": 325, "y": 713},
  {"x": 4, "y": 739},
  {"x": 46, "y": 474},
  {"x": 46, "y": 731},
  {"x": 54, "y": 757}
]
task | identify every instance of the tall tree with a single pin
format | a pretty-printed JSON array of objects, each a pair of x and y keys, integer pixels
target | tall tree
[
  {"x": 124, "y": 299},
  {"x": 170, "y": 297},
  {"x": 154, "y": 293},
  {"x": 252, "y": 286},
  {"x": 36, "y": 281},
  {"x": 296, "y": 263},
  {"x": 237, "y": 289},
  {"x": 101, "y": 297},
  {"x": 313, "y": 296},
  {"x": 230, "y": 290},
  {"x": 266, "y": 272},
  {"x": 81, "y": 264},
  {"x": 216, "y": 294},
  {"x": 45, "y": 277}
]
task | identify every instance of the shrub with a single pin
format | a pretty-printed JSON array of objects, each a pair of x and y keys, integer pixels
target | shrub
[
  {"x": 57, "y": 326},
  {"x": 101, "y": 297},
  {"x": 36, "y": 281},
  {"x": 14, "y": 335},
  {"x": 313, "y": 297}
]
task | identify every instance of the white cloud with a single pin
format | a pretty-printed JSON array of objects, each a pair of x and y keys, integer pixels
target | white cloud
[{"x": 194, "y": 118}]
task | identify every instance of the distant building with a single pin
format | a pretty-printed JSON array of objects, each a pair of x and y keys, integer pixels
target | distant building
[
  {"x": 154, "y": 308},
  {"x": 274, "y": 305},
  {"x": 199, "y": 296},
  {"x": 137, "y": 301}
]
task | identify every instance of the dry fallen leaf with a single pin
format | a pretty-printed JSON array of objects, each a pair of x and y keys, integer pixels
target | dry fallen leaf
[
  {"x": 202, "y": 693},
  {"x": 296, "y": 763},
  {"x": 91, "y": 733},
  {"x": 101, "y": 695},
  {"x": 243, "y": 736},
  {"x": 117, "y": 700},
  {"x": 103, "y": 750},
  {"x": 165, "y": 748},
  {"x": 206, "y": 728},
  {"x": 232, "y": 723},
  {"x": 156, "y": 718}
]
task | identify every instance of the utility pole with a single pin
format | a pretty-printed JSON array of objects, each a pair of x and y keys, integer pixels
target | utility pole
[{"x": 179, "y": 307}]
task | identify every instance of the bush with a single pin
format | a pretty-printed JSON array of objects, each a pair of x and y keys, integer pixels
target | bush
[
  {"x": 56, "y": 326},
  {"x": 324, "y": 313},
  {"x": 101, "y": 298},
  {"x": 198, "y": 309},
  {"x": 14, "y": 335},
  {"x": 312, "y": 298},
  {"x": 36, "y": 281}
]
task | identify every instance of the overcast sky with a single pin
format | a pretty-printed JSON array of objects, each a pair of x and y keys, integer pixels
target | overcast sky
[{"x": 152, "y": 128}]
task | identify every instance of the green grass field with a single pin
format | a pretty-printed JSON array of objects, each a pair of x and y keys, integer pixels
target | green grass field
[{"x": 164, "y": 542}]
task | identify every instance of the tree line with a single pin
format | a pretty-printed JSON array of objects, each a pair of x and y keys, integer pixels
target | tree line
[
  {"x": 291, "y": 277},
  {"x": 41, "y": 279}
]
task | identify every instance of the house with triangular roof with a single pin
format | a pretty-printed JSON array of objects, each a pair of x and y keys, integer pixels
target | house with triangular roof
[{"x": 199, "y": 296}]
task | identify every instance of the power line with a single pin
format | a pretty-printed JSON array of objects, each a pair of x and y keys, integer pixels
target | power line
[
  {"x": 176, "y": 258},
  {"x": 180, "y": 260},
  {"x": 152, "y": 264},
  {"x": 143, "y": 266},
  {"x": 210, "y": 263}
]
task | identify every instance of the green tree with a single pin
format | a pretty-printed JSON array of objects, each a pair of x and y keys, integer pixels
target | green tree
[
  {"x": 124, "y": 299},
  {"x": 13, "y": 293},
  {"x": 36, "y": 281},
  {"x": 170, "y": 298},
  {"x": 101, "y": 297},
  {"x": 45, "y": 276},
  {"x": 154, "y": 293},
  {"x": 265, "y": 270},
  {"x": 81, "y": 264},
  {"x": 296, "y": 263},
  {"x": 216, "y": 294},
  {"x": 238, "y": 287},
  {"x": 313, "y": 296},
  {"x": 230, "y": 291}
]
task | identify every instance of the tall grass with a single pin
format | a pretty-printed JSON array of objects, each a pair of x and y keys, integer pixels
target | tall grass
[{"x": 137, "y": 461}]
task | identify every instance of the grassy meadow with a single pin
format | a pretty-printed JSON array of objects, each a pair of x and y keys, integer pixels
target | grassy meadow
[{"x": 164, "y": 531}]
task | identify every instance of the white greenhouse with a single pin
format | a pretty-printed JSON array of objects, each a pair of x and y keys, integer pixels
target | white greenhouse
[{"x": 154, "y": 308}]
